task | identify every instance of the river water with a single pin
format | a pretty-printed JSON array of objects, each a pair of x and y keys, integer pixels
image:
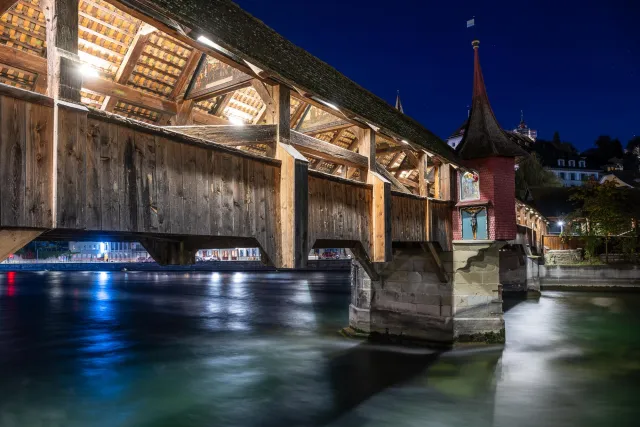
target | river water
[{"x": 262, "y": 349}]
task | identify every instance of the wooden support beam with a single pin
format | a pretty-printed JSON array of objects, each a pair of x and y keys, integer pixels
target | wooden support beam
[
  {"x": 328, "y": 127},
  {"x": 408, "y": 183},
  {"x": 129, "y": 62},
  {"x": 202, "y": 118},
  {"x": 269, "y": 112},
  {"x": 166, "y": 252},
  {"x": 380, "y": 217},
  {"x": 187, "y": 74},
  {"x": 387, "y": 150},
  {"x": 185, "y": 109},
  {"x": 282, "y": 100},
  {"x": 326, "y": 151},
  {"x": 335, "y": 138},
  {"x": 36, "y": 64},
  {"x": 441, "y": 272},
  {"x": 230, "y": 135},
  {"x": 297, "y": 114},
  {"x": 62, "y": 64},
  {"x": 6, "y": 5},
  {"x": 392, "y": 179},
  {"x": 423, "y": 184},
  {"x": 14, "y": 239},
  {"x": 293, "y": 209}
]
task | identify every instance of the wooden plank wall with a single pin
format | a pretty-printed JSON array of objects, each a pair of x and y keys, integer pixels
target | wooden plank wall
[
  {"x": 408, "y": 218},
  {"x": 339, "y": 211},
  {"x": 441, "y": 224},
  {"x": 115, "y": 178},
  {"x": 26, "y": 162}
]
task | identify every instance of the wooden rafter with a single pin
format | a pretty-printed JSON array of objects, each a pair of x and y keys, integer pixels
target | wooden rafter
[
  {"x": 38, "y": 65},
  {"x": 297, "y": 114},
  {"x": 128, "y": 63},
  {"x": 187, "y": 73}
]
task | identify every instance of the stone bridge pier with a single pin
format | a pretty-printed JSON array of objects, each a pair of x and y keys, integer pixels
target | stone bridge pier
[{"x": 428, "y": 295}]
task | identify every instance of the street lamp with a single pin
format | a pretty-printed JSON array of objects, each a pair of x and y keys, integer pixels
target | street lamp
[{"x": 561, "y": 224}]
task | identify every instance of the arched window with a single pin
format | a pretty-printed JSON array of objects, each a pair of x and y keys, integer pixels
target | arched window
[
  {"x": 561, "y": 162},
  {"x": 572, "y": 163}
]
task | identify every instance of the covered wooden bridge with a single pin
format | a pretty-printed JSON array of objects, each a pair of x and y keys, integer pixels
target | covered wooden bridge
[{"x": 184, "y": 132}]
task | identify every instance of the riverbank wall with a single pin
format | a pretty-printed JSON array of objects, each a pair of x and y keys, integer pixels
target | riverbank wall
[
  {"x": 590, "y": 277},
  {"x": 230, "y": 266}
]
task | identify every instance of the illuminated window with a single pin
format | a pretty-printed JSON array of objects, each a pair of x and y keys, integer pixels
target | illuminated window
[
  {"x": 572, "y": 163},
  {"x": 561, "y": 162}
]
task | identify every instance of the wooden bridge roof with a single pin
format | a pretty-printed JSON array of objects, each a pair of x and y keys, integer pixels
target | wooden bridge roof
[
  {"x": 143, "y": 72},
  {"x": 222, "y": 21}
]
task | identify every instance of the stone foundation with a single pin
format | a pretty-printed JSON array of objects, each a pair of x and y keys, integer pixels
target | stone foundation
[
  {"x": 408, "y": 303},
  {"x": 560, "y": 257},
  {"x": 519, "y": 272},
  {"x": 477, "y": 295}
]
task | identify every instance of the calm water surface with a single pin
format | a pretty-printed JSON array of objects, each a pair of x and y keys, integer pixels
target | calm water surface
[{"x": 209, "y": 349}]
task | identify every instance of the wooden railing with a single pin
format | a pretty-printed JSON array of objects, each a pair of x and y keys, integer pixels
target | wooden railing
[
  {"x": 339, "y": 211},
  {"x": 441, "y": 227},
  {"x": 408, "y": 218},
  {"x": 118, "y": 175}
]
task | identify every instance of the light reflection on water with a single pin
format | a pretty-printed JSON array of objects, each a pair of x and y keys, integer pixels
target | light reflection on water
[{"x": 207, "y": 349}]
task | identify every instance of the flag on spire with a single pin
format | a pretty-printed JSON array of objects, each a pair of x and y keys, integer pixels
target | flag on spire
[
  {"x": 471, "y": 22},
  {"x": 399, "y": 103}
]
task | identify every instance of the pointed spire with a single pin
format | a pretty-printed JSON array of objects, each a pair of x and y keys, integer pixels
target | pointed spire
[
  {"x": 483, "y": 136},
  {"x": 399, "y": 103}
]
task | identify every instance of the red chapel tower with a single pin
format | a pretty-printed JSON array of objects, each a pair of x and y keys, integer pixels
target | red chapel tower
[{"x": 485, "y": 209}]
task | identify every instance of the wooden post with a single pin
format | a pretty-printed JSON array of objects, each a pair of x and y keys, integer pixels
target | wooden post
[
  {"x": 64, "y": 82},
  {"x": 63, "y": 65},
  {"x": 293, "y": 188},
  {"x": 423, "y": 188},
  {"x": 293, "y": 210},
  {"x": 381, "y": 202},
  {"x": 13, "y": 239}
]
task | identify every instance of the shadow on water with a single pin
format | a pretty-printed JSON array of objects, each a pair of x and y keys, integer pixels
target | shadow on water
[{"x": 354, "y": 376}]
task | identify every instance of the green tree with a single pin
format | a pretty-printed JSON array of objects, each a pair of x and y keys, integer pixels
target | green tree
[
  {"x": 531, "y": 173},
  {"x": 605, "y": 210}
]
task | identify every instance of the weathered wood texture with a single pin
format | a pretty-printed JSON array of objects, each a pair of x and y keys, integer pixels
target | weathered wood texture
[
  {"x": 26, "y": 162},
  {"x": 14, "y": 239},
  {"x": 231, "y": 135},
  {"x": 340, "y": 211},
  {"x": 408, "y": 218},
  {"x": 323, "y": 150},
  {"x": 441, "y": 229},
  {"x": 117, "y": 178},
  {"x": 380, "y": 218},
  {"x": 291, "y": 208}
]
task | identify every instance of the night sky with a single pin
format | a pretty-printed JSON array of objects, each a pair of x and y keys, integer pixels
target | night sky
[{"x": 571, "y": 66}]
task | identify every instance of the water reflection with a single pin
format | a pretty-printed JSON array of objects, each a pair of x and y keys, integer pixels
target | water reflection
[{"x": 206, "y": 349}]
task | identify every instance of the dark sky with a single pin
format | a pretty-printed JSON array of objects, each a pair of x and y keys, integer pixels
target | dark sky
[{"x": 572, "y": 66}]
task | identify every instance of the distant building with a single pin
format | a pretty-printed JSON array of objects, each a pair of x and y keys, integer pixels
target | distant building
[
  {"x": 110, "y": 251},
  {"x": 524, "y": 130},
  {"x": 573, "y": 172}
]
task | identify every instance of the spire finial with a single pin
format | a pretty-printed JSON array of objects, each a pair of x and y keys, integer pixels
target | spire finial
[
  {"x": 399, "y": 103},
  {"x": 475, "y": 44}
]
